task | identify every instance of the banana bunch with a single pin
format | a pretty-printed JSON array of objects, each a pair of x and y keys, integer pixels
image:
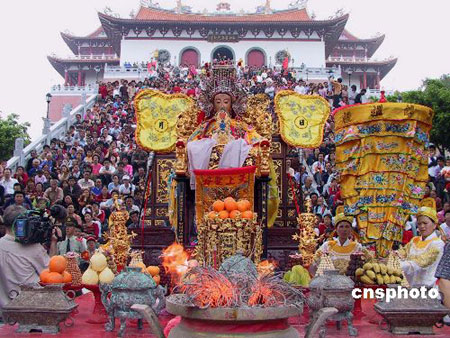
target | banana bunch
[
  {"x": 298, "y": 276},
  {"x": 378, "y": 274}
]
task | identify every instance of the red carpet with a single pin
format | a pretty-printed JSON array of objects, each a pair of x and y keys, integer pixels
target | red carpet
[{"x": 86, "y": 303}]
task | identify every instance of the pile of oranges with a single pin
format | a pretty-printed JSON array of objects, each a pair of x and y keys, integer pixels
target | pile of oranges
[
  {"x": 229, "y": 208},
  {"x": 56, "y": 272}
]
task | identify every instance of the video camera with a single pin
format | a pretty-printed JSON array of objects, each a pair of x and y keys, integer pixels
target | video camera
[{"x": 36, "y": 226}]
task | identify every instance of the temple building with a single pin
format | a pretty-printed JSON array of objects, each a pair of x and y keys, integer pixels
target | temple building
[{"x": 122, "y": 47}]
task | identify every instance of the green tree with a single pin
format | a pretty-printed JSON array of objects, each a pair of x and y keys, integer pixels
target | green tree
[
  {"x": 435, "y": 93},
  {"x": 10, "y": 130}
]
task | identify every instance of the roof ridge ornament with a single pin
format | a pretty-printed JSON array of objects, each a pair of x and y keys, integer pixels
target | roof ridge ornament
[
  {"x": 150, "y": 4},
  {"x": 268, "y": 9},
  {"x": 298, "y": 4}
]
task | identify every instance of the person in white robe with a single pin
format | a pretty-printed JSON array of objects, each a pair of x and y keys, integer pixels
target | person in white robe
[{"x": 421, "y": 256}]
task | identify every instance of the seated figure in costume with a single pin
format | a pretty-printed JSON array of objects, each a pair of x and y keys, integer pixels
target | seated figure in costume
[
  {"x": 421, "y": 256},
  {"x": 341, "y": 247},
  {"x": 223, "y": 139}
]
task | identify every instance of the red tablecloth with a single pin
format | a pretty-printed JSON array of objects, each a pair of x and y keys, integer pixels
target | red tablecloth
[{"x": 86, "y": 303}]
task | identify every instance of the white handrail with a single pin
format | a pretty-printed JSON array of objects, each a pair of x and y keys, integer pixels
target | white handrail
[{"x": 57, "y": 131}]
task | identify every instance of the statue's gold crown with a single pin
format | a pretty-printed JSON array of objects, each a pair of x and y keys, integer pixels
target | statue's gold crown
[{"x": 221, "y": 78}]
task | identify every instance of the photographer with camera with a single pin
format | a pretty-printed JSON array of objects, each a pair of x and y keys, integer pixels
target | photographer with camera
[{"x": 20, "y": 263}]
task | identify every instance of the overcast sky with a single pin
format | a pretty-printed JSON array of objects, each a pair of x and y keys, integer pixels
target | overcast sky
[{"x": 416, "y": 33}]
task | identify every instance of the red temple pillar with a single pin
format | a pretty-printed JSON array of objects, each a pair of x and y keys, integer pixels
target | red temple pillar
[
  {"x": 365, "y": 79},
  {"x": 66, "y": 77},
  {"x": 79, "y": 78}
]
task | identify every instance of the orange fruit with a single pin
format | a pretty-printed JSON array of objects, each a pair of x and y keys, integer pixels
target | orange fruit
[
  {"x": 153, "y": 270},
  {"x": 230, "y": 205},
  {"x": 67, "y": 277},
  {"x": 235, "y": 214},
  {"x": 218, "y": 206},
  {"x": 157, "y": 279},
  {"x": 229, "y": 198},
  {"x": 57, "y": 264},
  {"x": 247, "y": 214},
  {"x": 43, "y": 276},
  {"x": 243, "y": 205},
  {"x": 223, "y": 214},
  {"x": 212, "y": 215},
  {"x": 55, "y": 278}
]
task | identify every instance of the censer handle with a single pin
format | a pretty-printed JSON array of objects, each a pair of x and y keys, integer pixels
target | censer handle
[
  {"x": 149, "y": 315},
  {"x": 70, "y": 295},
  {"x": 69, "y": 322},
  {"x": 13, "y": 294}
]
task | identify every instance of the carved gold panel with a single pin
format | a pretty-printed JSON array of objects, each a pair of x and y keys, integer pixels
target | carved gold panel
[
  {"x": 292, "y": 224},
  {"x": 275, "y": 148},
  {"x": 159, "y": 223},
  {"x": 292, "y": 213},
  {"x": 161, "y": 212},
  {"x": 164, "y": 168},
  {"x": 148, "y": 212},
  {"x": 278, "y": 166},
  {"x": 279, "y": 213}
]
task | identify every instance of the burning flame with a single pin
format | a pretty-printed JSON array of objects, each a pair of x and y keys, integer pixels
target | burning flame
[
  {"x": 175, "y": 261},
  {"x": 266, "y": 267},
  {"x": 265, "y": 292},
  {"x": 207, "y": 287}
]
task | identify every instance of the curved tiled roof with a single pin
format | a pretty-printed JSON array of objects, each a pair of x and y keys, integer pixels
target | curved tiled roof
[
  {"x": 372, "y": 44},
  {"x": 385, "y": 65},
  {"x": 150, "y": 14},
  {"x": 60, "y": 63},
  {"x": 70, "y": 39}
]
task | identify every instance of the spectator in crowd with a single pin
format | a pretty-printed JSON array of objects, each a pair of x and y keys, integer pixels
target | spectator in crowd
[
  {"x": 54, "y": 193},
  {"x": 129, "y": 204},
  {"x": 360, "y": 97},
  {"x": 133, "y": 221},
  {"x": 7, "y": 182},
  {"x": 352, "y": 95},
  {"x": 126, "y": 188},
  {"x": 86, "y": 182},
  {"x": 19, "y": 199},
  {"x": 70, "y": 243},
  {"x": 91, "y": 227},
  {"x": 106, "y": 171},
  {"x": 445, "y": 227},
  {"x": 308, "y": 187}
]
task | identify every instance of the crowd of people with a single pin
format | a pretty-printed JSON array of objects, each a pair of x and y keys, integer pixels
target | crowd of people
[{"x": 98, "y": 160}]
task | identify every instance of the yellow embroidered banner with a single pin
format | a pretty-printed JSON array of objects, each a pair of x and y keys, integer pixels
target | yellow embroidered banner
[
  {"x": 157, "y": 116},
  {"x": 302, "y": 118},
  {"x": 353, "y": 115},
  {"x": 383, "y": 164},
  {"x": 380, "y": 145},
  {"x": 401, "y": 163}
]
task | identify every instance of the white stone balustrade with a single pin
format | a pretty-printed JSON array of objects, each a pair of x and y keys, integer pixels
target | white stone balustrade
[
  {"x": 58, "y": 131},
  {"x": 74, "y": 90}
]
